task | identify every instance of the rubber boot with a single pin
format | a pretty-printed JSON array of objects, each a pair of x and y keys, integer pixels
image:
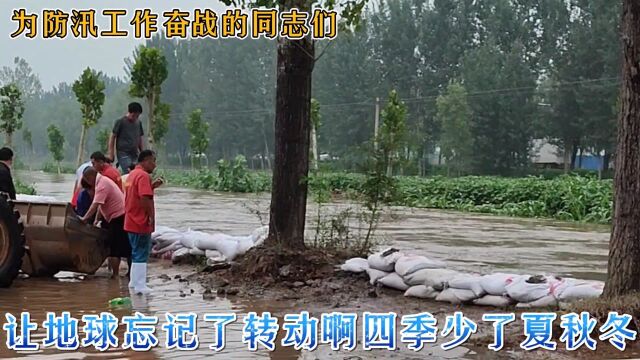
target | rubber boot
[
  {"x": 132, "y": 275},
  {"x": 141, "y": 282}
]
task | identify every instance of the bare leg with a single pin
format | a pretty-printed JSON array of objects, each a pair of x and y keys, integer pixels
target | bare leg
[{"x": 115, "y": 267}]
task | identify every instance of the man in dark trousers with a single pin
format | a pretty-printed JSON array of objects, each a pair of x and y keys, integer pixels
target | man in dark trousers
[
  {"x": 6, "y": 180},
  {"x": 126, "y": 138}
]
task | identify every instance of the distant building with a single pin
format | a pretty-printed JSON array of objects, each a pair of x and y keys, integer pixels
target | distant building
[{"x": 546, "y": 155}]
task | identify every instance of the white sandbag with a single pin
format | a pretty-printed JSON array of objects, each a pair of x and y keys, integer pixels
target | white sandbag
[
  {"x": 244, "y": 244},
  {"x": 545, "y": 301},
  {"x": 196, "y": 252},
  {"x": 163, "y": 229},
  {"x": 526, "y": 289},
  {"x": 375, "y": 275},
  {"x": 394, "y": 281},
  {"x": 455, "y": 296},
  {"x": 422, "y": 292},
  {"x": 180, "y": 253},
  {"x": 225, "y": 244},
  {"x": 187, "y": 242},
  {"x": 468, "y": 282},
  {"x": 581, "y": 291},
  {"x": 355, "y": 265},
  {"x": 435, "y": 278},
  {"x": 494, "y": 284},
  {"x": 408, "y": 264},
  {"x": 213, "y": 255},
  {"x": 493, "y": 300},
  {"x": 259, "y": 235},
  {"x": 384, "y": 260},
  {"x": 172, "y": 247}
]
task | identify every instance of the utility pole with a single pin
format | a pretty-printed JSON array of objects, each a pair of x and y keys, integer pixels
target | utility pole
[{"x": 376, "y": 124}]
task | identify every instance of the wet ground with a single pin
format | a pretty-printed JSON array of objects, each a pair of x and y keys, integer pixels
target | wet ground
[{"x": 465, "y": 241}]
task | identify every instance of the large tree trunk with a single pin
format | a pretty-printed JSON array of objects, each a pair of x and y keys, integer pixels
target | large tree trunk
[
  {"x": 83, "y": 135},
  {"x": 292, "y": 128},
  {"x": 624, "y": 248}
]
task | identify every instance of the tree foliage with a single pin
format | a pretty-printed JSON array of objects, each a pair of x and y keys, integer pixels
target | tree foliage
[
  {"x": 11, "y": 111},
  {"x": 56, "y": 144},
  {"x": 392, "y": 135},
  {"x": 454, "y": 115},
  {"x": 198, "y": 129},
  {"x": 89, "y": 91},
  {"x": 148, "y": 72},
  {"x": 23, "y": 76}
]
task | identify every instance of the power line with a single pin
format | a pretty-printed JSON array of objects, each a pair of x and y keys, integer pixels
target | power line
[{"x": 477, "y": 94}]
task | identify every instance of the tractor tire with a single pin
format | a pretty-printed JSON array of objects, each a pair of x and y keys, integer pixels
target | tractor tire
[{"x": 12, "y": 242}]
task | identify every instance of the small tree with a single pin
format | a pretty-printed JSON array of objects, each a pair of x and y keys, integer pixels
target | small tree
[
  {"x": 454, "y": 115},
  {"x": 89, "y": 90},
  {"x": 315, "y": 124},
  {"x": 148, "y": 72},
  {"x": 11, "y": 110},
  {"x": 56, "y": 144},
  {"x": 162, "y": 115},
  {"x": 102, "y": 138},
  {"x": 198, "y": 129},
  {"x": 392, "y": 130},
  {"x": 27, "y": 138}
]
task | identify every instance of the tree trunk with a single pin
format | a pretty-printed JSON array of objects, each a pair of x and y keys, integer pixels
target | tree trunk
[
  {"x": 151, "y": 101},
  {"x": 83, "y": 135},
  {"x": 9, "y": 139},
  {"x": 624, "y": 248},
  {"x": 568, "y": 150},
  {"x": 574, "y": 154},
  {"x": 605, "y": 160},
  {"x": 292, "y": 130},
  {"x": 314, "y": 148}
]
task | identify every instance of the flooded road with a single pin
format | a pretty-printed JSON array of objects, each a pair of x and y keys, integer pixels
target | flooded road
[{"x": 465, "y": 241}]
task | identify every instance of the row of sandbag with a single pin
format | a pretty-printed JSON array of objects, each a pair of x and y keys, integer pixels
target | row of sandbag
[
  {"x": 422, "y": 277},
  {"x": 169, "y": 243}
]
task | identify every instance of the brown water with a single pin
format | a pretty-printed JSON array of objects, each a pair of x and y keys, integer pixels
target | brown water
[{"x": 469, "y": 242}]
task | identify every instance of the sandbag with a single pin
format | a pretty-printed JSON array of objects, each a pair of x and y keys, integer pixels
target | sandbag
[
  {"x": 455, "y": 296},
  {"x": 408, "y": 264},
  {"x": 384, "y": 260},
  {"x": 244, "y": 244},
  {"x": 526, "y": 289},
  {"x": 581, "y": 291},
  {"x": 545, "y": 301},
  {"x": 225, "y": 244},
  {"x": 422, "y": 292},
  {"x": 213, "y": 255},
  {"x": 435, "y": 278},
  {"x": 468, "y": 282},
  {"x": 259, "y": 235},
  {"x": 170, "y": 247},
  {"x": 494, "y": 284},
  {"x": 394, "y": 281},
  {"x": 355, "y": 265},
  {"x": 196, "y": 252},
  {"x": 375, "y": 275},
  {"x": 180, "y": 253},
  {"x": 493, "y": 300}
]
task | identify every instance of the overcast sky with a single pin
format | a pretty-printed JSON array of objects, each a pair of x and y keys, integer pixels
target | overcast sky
[{"x": 62, "y": 60}]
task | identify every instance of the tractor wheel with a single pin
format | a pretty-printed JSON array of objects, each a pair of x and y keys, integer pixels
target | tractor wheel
[{"x": 12, "y": 242}]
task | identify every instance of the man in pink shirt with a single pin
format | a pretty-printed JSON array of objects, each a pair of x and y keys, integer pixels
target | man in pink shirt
[{"x": 108, "y": 203}]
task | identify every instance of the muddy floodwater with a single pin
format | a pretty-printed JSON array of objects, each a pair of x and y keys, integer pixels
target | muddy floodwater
[{"x": 466, "y": 241}]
